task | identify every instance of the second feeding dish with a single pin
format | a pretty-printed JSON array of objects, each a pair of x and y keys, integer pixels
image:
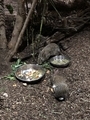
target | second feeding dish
[{"x": 60, "y": 61}]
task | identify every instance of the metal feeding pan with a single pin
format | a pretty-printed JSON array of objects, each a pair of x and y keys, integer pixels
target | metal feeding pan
[
  {"x": 60, "y": 61},
  {"x": 30, "y": 73}
]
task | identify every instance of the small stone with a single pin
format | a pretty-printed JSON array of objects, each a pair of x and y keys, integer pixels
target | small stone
[
  {"x": 24, "y": 84},
  {"x": 48, "y": 71},
  {"x": 5, "y": 94},
  {"x": 14, "y": 85},
  {"x": 52, "y": 90}
]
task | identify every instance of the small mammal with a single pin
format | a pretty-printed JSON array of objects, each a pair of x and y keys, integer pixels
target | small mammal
[
  {"x": 48, "y": 51},
  {"x": 60, "y": 87}
]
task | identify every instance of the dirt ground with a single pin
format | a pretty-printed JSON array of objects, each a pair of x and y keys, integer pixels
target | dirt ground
[{"x": 36, "y": 102}]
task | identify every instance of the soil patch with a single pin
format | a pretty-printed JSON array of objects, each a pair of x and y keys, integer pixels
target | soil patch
[{"x": 36, "y": 102}]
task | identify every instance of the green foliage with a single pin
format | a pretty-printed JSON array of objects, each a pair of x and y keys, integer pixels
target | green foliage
[
  {"x": 47, "y": 65},
  {"x": 14, "y": 67},
  {"x": 10, "y": 76},
  {"x": 17, "y": 64}
]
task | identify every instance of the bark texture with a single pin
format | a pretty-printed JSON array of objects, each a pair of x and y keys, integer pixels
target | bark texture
[
  {"x": 18, "y": 24},
  {"x": 3, "y": 40}
]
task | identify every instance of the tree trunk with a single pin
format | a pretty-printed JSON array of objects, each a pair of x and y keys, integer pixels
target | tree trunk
[
  {"x": 18, "y": 24},
  {"x": 14, "y": 48},
  {"x": 3, "y": 40}
]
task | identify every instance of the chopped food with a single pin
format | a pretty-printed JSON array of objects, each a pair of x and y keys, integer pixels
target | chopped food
[
  {"x": 60, "y": 62},
  {"x": 30, "y": 74}
]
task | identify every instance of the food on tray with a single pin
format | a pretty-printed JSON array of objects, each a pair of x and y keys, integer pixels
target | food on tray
[
  {"x": 60, "y": 62},
  {"x": 30, "y": 74}
]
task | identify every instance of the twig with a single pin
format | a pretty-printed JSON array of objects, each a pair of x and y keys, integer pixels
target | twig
[{"x": 52, "y": 3}]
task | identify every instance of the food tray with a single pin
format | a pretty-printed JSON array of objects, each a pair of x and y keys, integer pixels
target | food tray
[{"x": 30, "y": 72}]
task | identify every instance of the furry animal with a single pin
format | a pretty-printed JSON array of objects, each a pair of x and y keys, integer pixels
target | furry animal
[
  {"x": 48, "y": 51},
  {"x": 60, "y": 87}
]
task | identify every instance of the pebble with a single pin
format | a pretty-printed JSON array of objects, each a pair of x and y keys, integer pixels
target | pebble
[
  {"x": 5, "y": 94},
  {"x": 24, "y": 84}
]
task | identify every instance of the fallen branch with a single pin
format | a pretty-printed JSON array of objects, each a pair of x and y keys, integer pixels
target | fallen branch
[
  {"x": 77, "y": 23},
  {"x": 13, "y": 51},
  {"x": 59, "y": 36}
]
